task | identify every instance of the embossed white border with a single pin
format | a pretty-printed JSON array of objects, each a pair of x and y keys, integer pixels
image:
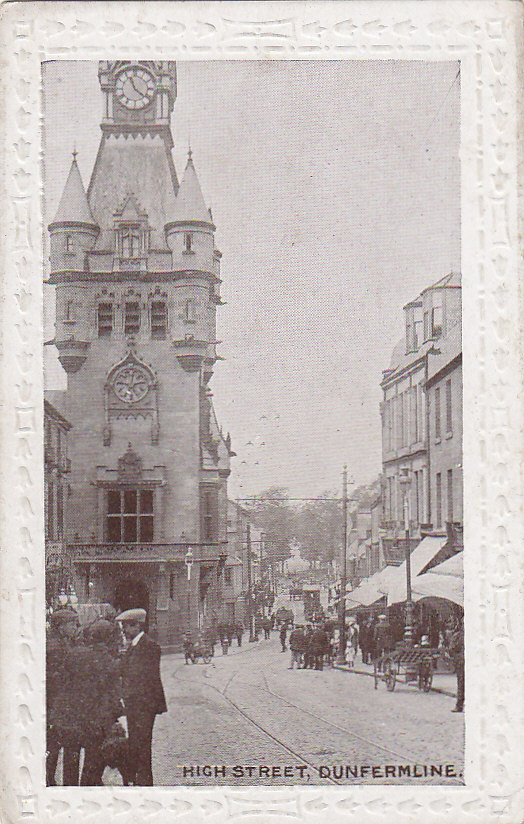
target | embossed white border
[{"x": 483, "y": 35}]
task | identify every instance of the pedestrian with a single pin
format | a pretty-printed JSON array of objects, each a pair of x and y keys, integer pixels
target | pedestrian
[
  {"x": 188, "y": 648},
  {"x": 239, "y": 630},
  {"x": 230, "y": 633},
  {"x": 456, "y": 652},
  {"x": 296, "y": 645},
  {"x": 62, "y": 636},
  {"x": 98, "y": 673},
  {"x": 319, "y": 646},
  {"x": 382, "y": 637},
  {"x": 308, "y": 657},
  {"x": 266, "y": 626},
  {"x": 143, "y": 693},
  {"x": 283, "y": 636},
  {"x": 364, "y": 639}
]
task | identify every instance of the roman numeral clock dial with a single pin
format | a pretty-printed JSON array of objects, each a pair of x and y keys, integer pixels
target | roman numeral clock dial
[{"x": 134, "y": 88}]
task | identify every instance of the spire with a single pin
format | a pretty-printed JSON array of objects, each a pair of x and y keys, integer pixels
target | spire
[
  {"x": 190, "y": 206},
  {"x": 73, "y": 207}
]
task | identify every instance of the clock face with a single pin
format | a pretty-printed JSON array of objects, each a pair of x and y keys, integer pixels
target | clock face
[
  {"x": 131, "y": 384},
  {"x": 134, "y": 88}
]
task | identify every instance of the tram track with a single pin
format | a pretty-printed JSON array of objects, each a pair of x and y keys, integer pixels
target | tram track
[
  {"x": 404, "y": 757},
  {"x": 255, "y": 724}
]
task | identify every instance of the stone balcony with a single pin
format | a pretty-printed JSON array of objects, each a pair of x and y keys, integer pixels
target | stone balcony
[{"x": 110, "y": 552}]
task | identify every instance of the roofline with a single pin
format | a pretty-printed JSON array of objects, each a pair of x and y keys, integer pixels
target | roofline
[
  {"x": 175, "y": 224},
  {"x": 444, "y": 369},
  {"x": 65, "y": 224},
  {"x": 53, "y": 412}
]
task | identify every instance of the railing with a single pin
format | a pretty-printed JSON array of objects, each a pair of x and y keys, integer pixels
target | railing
[{"x": 144, "y": 552}]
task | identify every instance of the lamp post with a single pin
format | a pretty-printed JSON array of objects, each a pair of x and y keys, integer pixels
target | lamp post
[
  {"x": 344, "y": 576},
  {"x": 189, "y": 563},
  {"x": 405, "y": 481}
]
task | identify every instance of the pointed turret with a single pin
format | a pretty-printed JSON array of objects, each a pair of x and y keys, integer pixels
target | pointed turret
[
  {"x": 190, "y": 206},
  {"x": 74, "y": 229},
  {"x": 73, "y": 207}
]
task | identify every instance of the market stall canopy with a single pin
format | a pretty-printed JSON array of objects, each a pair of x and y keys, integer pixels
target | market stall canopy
[
  {"x": 443, "y": 581},
  {"x": 394, "y": 583},
  {"x": 368, "y": 591}
]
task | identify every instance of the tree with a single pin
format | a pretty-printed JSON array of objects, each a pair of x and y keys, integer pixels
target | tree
[
  {"x": 318, "y": 528},
  {"x": 271, "y": 512}
]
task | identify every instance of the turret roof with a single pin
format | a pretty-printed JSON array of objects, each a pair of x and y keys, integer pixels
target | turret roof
[
  {"x": 73, "y": 206},
  {"x": 190, "y": 205}
]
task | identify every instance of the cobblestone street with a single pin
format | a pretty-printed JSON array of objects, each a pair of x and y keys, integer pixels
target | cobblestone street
[{"x": 248, "y": 710}]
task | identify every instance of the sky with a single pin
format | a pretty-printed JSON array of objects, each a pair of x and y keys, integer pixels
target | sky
[{"x": 335, "y": 189}]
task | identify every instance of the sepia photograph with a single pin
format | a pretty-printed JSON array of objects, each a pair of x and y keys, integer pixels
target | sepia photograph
[{"x": 253, "y": 422}]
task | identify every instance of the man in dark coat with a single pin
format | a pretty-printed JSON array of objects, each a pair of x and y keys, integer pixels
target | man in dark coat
[
  {"x": 283, "y": 636},
  {"x": 382, "y": 637},
  {"x": 296, "y": 645},
  {"x": 319, "y": 646},
  {"x": 142, "y": 692},
  {"x": 456, "y": 651},
  {"x": 60, "y": 642},
  {"x": 98, "y": 674}
]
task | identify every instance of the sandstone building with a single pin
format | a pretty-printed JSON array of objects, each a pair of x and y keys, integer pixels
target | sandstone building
[{"x": 137, "y": 278}]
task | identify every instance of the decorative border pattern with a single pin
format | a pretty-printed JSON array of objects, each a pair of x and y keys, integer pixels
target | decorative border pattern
[{"x": 484, "y": 37}]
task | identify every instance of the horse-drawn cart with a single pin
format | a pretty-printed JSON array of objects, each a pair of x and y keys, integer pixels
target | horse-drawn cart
[{"x": 412, "y": 664}]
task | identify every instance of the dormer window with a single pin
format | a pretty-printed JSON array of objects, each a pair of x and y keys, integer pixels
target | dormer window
[
  {"x": 130, "y": 242},
  {"x": 188, "y": 241},
  {"x": 436, "y": 316}
]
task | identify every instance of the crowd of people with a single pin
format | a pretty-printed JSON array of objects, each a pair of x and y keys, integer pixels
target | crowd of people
[{"x": 103, "y": 692}]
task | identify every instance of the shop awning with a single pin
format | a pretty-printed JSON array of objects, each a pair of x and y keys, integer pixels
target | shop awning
[
  {"x": 443, "y": 581},
  {"x": 368, "y": 591},
  {"x": 394, "y": 583}
]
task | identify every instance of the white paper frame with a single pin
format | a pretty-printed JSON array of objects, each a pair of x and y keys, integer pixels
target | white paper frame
[{"x": 484, "y": 36}]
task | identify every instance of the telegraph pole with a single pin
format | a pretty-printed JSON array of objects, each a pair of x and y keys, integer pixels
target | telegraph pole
[
  {"x": 249, "y": 590},
  {"x": 344, "y": 575}
]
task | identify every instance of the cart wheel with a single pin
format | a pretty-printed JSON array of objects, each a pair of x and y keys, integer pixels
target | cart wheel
[
  {"x": 206, "y": 659},
  {"x": 390, "y": 675}
]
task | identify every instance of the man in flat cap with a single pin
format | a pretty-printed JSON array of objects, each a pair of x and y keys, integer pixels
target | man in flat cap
[
  {"x": 142, "y": 692},
  {"x": 64, "y": 626}
]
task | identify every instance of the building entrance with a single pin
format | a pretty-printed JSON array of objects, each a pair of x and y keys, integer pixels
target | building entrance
[{"x": 130, "y": 593}]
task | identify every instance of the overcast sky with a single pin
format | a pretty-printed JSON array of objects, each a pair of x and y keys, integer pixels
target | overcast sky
[{"x": 335, "y": 189}]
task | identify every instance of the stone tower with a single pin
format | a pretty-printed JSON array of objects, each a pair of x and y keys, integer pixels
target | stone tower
[{"x": 137, "y": 282}]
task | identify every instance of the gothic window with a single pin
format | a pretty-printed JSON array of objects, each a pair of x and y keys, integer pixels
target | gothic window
[
  {"x": 105, "y": 320},
  {"x": 130, "y": 245},
  {"x": 132, "y": 318},
  {"x": 188, "y": 242},
  {"x": 69, "y": 310},
  {"x": 69, "y": 243},
  {"x": 129, "y": 516},
  {"x": 209, "y": 513},
  {"x": 228, "y": 577},
  {"x": 158, "y": 320}
]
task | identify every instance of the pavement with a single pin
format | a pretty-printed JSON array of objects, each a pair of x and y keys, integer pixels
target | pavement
[{"x": 247, "y": 719}]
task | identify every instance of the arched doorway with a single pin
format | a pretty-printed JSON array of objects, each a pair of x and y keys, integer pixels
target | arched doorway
[{"x": 131, "y": 593}]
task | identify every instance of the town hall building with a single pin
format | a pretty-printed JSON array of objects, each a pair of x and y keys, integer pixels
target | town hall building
[{"x": 137, "y": 277}]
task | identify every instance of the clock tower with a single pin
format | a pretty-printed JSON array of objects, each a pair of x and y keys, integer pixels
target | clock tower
[{"x": 137, "y": 276}]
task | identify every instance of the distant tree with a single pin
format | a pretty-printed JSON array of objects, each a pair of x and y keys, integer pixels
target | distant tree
[
  {"x": 272, "y": 513},
  {"x": 318, "y": 528}
]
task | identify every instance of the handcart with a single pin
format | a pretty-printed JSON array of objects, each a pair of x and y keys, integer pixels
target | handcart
[{"x": 415, "y": 664}]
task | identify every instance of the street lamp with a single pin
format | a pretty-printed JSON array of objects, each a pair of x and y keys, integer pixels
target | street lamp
[
  {"x": 189, "y": 563},
  {"x": 405, "y": 481},
  {"x": 344, "y": 576}
]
